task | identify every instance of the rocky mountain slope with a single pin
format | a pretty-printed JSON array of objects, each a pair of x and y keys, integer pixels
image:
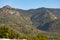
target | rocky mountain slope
[
  {"x": 17, "y": 20},
  {"x": 33, "y": 21},
  {"x": 39, "y": 19}
]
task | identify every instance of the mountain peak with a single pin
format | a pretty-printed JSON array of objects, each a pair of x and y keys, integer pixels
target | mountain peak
[{"x": 7, "y": 6}]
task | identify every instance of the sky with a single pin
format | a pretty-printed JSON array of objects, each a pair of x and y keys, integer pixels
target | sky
[{"x": 30, "y": 4}]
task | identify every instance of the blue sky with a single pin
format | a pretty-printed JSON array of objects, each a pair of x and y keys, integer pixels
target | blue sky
[{"x": 30, "y": 4}]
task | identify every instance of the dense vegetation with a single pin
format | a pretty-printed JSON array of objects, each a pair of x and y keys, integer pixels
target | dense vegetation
[{"x": 7, "y": 32}]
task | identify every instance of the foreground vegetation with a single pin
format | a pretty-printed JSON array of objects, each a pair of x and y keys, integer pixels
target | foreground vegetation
[{"x": 7, "y": 32}]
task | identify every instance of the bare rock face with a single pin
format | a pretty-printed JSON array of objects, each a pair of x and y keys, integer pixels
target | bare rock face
[
  {"x": 7, "y": 6},
  {"x": 8, "y": 10}
]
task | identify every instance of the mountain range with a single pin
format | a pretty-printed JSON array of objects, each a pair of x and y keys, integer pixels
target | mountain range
[{"x": 33, "y": 21}]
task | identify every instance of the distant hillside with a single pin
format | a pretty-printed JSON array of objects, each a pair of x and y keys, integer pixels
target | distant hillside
[{"x": 31, "y": 22}]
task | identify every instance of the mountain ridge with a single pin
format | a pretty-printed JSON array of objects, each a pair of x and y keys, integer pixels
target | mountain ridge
[
  {"x": 36, "y": 17},
  {"x": 33, "y": 21}
]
